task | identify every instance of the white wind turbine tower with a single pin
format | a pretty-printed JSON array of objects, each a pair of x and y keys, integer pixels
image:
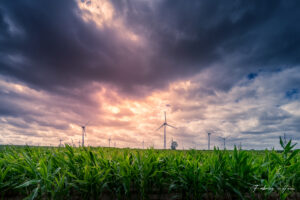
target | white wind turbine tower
[
  {"x": 83, "y": 132},
  {"x": 143, "y": 144},
  {"x": 109, "y": 142},
  {"x": 208, "y": 143},
  {"x": 165, "y": 124}
]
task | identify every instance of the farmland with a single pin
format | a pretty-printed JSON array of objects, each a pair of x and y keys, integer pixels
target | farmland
[{"x": 109, "y": 173}]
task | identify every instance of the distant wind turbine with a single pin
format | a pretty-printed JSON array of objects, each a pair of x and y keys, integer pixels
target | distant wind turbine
[
  {"x": 165, "y": 124},
  {"x": 224, "y": 141},
  {"x": 84, "y": 132},
  {"x": 109, "y": 142},
  {"x": 60, "y": 142}
]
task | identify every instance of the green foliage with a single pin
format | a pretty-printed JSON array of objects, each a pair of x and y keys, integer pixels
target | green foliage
[{"x": 91, "y": 173}]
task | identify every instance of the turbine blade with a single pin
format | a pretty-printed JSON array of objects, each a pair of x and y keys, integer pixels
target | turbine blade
[
  {"x": 165, "y": 117},
  {"x": 171, "y": 126},
  {"x": 87, "y": 123},
  {"x": 159, "y": 127}
]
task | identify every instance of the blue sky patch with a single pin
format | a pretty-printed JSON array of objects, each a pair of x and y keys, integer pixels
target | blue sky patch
[
  {"x": 292, "y": 93},
  {"x": 251, "y": 76}
]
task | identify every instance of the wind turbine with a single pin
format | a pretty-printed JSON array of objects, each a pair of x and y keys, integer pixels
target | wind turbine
[
  {"x": 83, "y": 132},
  {"x": 109, "y": 142},
  {"x": 224, "y": 141},
  {"x": 208, "y": 145},
  {"x": 143, "y": 144},
  {"x": 240, "y": 146},
  {"x": 165, "y": 124}
]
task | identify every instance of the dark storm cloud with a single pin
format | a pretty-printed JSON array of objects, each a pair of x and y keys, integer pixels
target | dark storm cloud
[
  {"x": 48, "y": 46},
  {"x": 58, "y": 51},
  {"x": 242, "y": 37}
]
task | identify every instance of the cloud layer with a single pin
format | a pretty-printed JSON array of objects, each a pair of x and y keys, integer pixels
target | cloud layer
[{"x": 232, "y": 69}]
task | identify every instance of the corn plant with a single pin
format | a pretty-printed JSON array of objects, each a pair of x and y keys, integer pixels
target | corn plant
[{"x": 95, "y": 173}]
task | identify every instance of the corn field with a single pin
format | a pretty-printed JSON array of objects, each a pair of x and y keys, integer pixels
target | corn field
[{"x": 108, "y": 173}]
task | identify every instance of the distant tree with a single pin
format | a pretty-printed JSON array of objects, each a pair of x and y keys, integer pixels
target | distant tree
[{"x": 174, "y": 145}]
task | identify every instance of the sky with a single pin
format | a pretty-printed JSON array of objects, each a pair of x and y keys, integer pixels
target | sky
[{"x": 229, "y": 68}]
